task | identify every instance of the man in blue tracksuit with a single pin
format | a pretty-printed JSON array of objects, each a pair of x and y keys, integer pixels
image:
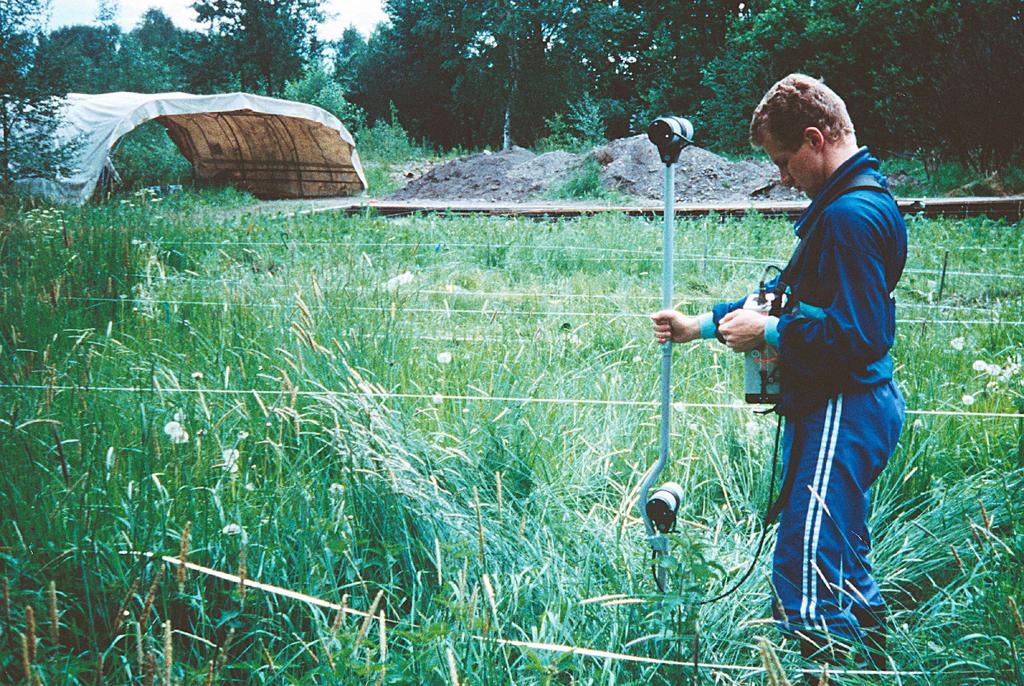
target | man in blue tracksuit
[{"x": 843, "y": 412}]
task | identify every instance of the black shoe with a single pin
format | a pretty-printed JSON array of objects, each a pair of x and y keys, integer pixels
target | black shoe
[
  {"x": 821, "y": 650},
  {"x": 874, "y": 623}
]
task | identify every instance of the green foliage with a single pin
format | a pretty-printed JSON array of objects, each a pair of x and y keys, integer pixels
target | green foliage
[
  {"x": 581, "y": 130},
  {"x": 147, "y": 156},
  {"x": 29, "y": 105},
  {"x": 583, "y": 183},
  {"x": 937, "y": 90},
  {"x": 316, "y": 87},
  {"x": 267, "y": 42},
  {"x": 384, "y": 148}
]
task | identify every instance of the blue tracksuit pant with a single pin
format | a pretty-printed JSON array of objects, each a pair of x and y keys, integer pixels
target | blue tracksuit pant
[{"x": 822, "y": 575}]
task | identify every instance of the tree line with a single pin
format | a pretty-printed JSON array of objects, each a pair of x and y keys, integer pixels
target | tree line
[{"x": 939, "y": 79}]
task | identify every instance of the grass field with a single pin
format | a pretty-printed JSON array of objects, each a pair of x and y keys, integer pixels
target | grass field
[{"x": 443, "y": 423}]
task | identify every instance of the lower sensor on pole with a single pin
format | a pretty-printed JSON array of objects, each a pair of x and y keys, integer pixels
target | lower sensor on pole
[{"x": 663, "y": 505}]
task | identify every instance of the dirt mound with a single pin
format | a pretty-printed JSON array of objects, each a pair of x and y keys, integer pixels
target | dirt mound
[
  {"x": 628, "y": 165},
  {"x": 631, "y": 165}
]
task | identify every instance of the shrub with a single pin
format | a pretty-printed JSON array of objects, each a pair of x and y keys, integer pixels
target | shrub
[{"x": 147, "y": 156}]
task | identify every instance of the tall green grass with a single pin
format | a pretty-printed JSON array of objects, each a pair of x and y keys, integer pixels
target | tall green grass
[{"x": 340, "y": 489}]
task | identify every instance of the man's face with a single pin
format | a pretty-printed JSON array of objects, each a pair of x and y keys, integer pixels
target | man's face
[{"x": 803, "y": 168}]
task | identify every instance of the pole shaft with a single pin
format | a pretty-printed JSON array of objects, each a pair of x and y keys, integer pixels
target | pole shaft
[{"x": 668, "y": 250}]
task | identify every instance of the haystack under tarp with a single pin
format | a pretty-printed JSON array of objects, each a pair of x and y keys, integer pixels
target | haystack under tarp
[{"x": 271, "y": 147}]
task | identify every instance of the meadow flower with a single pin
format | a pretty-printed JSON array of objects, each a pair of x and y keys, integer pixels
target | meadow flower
[
  {"x": 230, "y": 460},
  {"x": 403, "y": 279},
  {"x": 176, "y": 432},
  {"x": 444, "y": 357},
  {"x": 437, "y": 398},
  {"x": 918, "y": 424},
  {"x": 198, "y": 376},
  {"x": 242, "y": 435},
  {"x": 231, "y": 530},
  {"x": 968, "y": 399},
  {"x": 336, "y": 488},
  {"x": 979, "y": 365},
  {"x": 957, "y": 343}
]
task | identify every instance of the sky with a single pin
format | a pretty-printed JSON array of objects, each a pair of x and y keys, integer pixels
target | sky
[{"x": 363, "y": 14}]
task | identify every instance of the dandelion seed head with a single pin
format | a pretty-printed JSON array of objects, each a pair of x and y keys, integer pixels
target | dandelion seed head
[
  {"x": 957, "y": 343},
  {"x": 444, "y": 357},
  {"x": 967, "y": 399},
  {"x": 230, "y": 460},
  {"x": 176, "y": 432}
]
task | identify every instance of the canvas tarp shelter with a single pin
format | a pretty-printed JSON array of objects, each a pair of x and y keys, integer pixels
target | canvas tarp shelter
[{"x": 273, "y": 148}]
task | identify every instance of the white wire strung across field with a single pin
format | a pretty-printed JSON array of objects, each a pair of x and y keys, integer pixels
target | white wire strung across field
[
  {"x": 437, "y": 246},
  {"x": 443, "y": 397},
  {"x": 281, "y": 591},
  {"x": 482, "y": 312},
  {"x": 631, "y": 256},
  {"x": 189, "y": 277}
]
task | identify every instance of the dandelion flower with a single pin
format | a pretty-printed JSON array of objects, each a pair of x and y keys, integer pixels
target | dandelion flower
[
  {"x": 231, "y": 530},
  {"x": 444, "y": 357},
  {"x": 968, "y": 399},
  {"x": 230, "y": 460},
  {"x": 957, "y": 343}
]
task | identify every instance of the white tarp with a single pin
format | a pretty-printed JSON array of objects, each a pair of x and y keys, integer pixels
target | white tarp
[{"x": 277, "y": 148}]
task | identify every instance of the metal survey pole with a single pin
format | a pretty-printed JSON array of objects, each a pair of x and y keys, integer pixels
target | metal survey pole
[{"x": 670, "y": 135}]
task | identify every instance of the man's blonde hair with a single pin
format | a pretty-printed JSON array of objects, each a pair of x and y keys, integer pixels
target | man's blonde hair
[{"x": 793, "y": 104}]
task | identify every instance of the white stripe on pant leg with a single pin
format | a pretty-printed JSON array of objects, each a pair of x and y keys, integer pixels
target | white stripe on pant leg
[
  {"x": 824, "y": 492},
  {"x": 806, "y": 563}
]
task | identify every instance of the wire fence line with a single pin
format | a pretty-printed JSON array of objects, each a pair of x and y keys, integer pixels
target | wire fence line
[
  {"x": 438, "y": 398},
  {"x": 628, "y": 256},
  {"x": 437, "y": 245},
  {"x": 456, "y": 292},
  {"x": 481, "y": 312}
]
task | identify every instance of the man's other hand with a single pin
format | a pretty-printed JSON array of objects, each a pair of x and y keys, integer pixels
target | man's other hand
[
  {"x": 743, "y": 330},
  {"x": 669, "y": 323}
]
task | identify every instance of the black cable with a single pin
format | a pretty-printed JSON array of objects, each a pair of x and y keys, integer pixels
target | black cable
[
  {"x": 654, "y": 571},
  {"x": 764, "y": 524}
]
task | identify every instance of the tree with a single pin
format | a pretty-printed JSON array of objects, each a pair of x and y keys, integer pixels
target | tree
[
  {"x": 29, "y": 106},
  {"x": 269, "y": 41},
  {"x": 348, "y": 50},
  {"x": 316, "y": 87}
]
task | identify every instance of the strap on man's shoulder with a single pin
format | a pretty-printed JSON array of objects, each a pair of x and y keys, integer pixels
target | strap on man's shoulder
[{"x": 862, "y": 182}]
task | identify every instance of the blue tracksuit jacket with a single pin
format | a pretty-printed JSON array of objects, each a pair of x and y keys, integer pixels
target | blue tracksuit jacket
[{"x": 843, "y": 412}]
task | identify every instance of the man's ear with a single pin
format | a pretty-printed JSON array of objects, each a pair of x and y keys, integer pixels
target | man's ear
[{"x": 814, "y": 137}]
